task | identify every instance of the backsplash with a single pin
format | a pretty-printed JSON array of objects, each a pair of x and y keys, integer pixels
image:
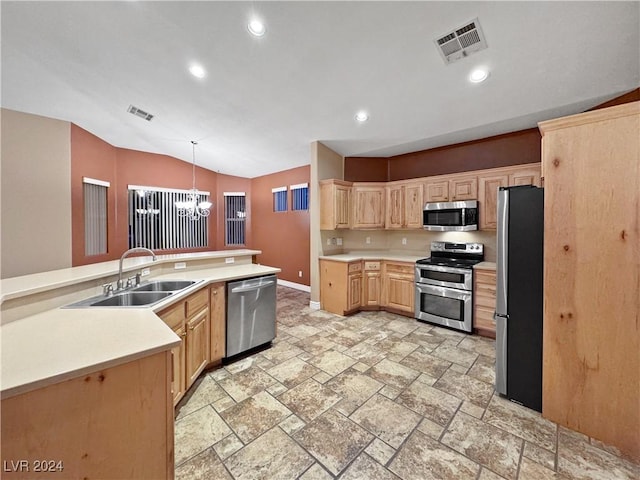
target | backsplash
[{"x": 417, "y": 241}]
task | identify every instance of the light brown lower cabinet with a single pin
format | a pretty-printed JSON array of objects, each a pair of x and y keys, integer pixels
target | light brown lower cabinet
[
  {"x": 398, "y": 284},
  {"x": 371, "y": 285},
  {"x": 217, "y": 305},
  {"x": 340, "y": 286},
  {"x": 345, "y": 288},
  {"x": 484, "y": 298},
  {"x": 112, "y": 423},
  {"x": 190, "y": 320}
]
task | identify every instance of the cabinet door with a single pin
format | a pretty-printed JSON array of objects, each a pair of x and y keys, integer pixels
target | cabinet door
[
  {"x": 395, "y": 207},
  {"x": 334, "y": 204},
  {"x": 368, "y": 207},
  {"x": 218, "y": 323},
  {"x": 178, "y": 380},
  {"x": 464, "y": 188},
  {"x": 488, "y": 198},
  {"x": 355, "y": 291},
  {"x": 527, "y": 176},
  {"x": 371, "y": 289},
  {"x": 341, "y": 206},
  {"x": 484, "y": 297},
  {"x": 436, "y": 191},
  {"x": 413, "y": 205},
  {"x": 197, "y": 345},
  {"x": 333, "y": 286},
  {"x": 400, "y": 292}
]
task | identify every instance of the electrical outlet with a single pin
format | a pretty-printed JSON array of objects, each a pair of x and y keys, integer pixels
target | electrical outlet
[
  {"x": 339, "y": 240},
  {"x": 404, "y": 240},
  {"x": 229, "y": 260},
  {"x": 300, "y": 273},
  {"x": 145, "y": 272},
  {"x": 367, "y": 240},
  {"x": 180, "y": 265},
  {"x": 333, "y": 241},
  {"x": 328, "y": 241}
]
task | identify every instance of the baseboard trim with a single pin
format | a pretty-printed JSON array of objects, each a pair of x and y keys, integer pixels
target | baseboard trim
[
  {"x": 314, "y": 305},
  {"x": 297, "y": 286}
]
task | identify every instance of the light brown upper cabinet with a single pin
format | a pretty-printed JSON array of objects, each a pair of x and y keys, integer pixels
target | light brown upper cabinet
[
  {"x": 490, "y": 181},
  {"x": 404, "y": 205},
  {"x": 451, "y": 188},
  {"x": 334, "y": 204},
  {"x": 368, "y": 205},
  {"x": 525, "y": 176},
  {"x": 488, "y": 186}
]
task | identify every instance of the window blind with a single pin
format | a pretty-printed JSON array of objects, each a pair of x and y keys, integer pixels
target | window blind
[
  {"x": 235, "y": 216},
  {"x": 154, "y": 221},
  {"x": 300, "y": 196},
  {"x": 95, "y": 216},
  {"x": 279, "y": 199}
]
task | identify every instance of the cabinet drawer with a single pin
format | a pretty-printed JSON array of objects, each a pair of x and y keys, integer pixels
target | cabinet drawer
[
  {"x": 485, "y": 276},
  {"x": 196, "y": 302},
  {"x": 372, "y": 265},
  {"x": 173, "y": 316},
  {"x": 400, "y": 268},
  {"x": 355, "y": 267}
]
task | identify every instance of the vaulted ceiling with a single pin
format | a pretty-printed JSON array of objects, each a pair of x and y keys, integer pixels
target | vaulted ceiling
[{"x": 265, "y": 99}]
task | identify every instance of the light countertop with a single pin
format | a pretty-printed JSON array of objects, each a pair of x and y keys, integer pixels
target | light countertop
[
  {"x": 485, "y": 266},
  {"x": 64, "y": 343},
  {"x": 40, "y": 282},
  {"x": 374, "y": 255}
]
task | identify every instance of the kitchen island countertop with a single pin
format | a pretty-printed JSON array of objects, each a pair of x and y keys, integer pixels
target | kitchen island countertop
[{"x": 63, "y": 343}]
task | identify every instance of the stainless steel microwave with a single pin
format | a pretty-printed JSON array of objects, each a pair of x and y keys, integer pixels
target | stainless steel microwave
[{"x": 451, "y": 216}]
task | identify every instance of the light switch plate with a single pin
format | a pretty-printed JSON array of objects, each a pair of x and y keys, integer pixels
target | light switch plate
[
  {"x": 229, "y": 260},
  {"x": 145, "y": 272},
  {"x": 339, "y": 239},
  {"x": 180, "y": 265},
  {"x": 404, "y": 240},
  {"x": 367, "y": 240}
]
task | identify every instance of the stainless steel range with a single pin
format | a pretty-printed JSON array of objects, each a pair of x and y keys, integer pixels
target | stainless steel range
[{"x": 444, "y": 284}]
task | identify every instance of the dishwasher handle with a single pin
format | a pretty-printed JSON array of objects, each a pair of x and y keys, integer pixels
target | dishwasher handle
[{"x": 251, "y": 288}]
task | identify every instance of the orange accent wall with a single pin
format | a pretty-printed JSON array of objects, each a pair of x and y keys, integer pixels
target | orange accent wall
[
  {"x": 283, "y": 237},
  {"x": 230, "y": 183},
  {"x": 95, "y": 158}
]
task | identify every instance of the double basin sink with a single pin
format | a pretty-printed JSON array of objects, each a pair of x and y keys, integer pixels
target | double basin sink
[{"x": 143, "y": 295}]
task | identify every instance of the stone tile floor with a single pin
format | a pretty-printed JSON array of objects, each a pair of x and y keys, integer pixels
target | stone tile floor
[{"x": 372, "y": 396}]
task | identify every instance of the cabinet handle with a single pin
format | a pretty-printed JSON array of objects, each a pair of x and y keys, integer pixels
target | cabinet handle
[
  {"x": 191, "y": 327},
  {"x": 184, "y": 334},
  {"x": 215, "y": 292}
]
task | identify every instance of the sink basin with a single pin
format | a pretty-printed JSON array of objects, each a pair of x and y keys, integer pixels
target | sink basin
[
  {"x": 131, "y": 299},
  {"x": 164, "y": 286}
]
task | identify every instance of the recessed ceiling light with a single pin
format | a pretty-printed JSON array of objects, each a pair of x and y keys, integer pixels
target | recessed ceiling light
[
  {"x": 362, "y": 116},
  {"x": 479, "y": 75},
  {"x": 257, "y": 28},
  {"x": 197, "y": 70}
]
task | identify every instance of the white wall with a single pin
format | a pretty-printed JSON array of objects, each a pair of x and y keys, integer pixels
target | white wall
[
  {"x": 35, "y": 194},
  {"x": 325, "y": 163}
]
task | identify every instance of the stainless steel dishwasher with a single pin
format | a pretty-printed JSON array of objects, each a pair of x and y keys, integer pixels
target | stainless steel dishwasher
[{"x": 251, "y": 313}]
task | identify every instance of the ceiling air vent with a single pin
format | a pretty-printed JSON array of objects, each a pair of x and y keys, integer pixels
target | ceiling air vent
[
  {"x": 140, "y": 113},
  {"x": 462, "y": 42}
]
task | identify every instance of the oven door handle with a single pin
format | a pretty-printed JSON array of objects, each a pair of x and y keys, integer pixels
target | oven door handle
[
  {"x": 444, "y": 292},
  {"x": 440, "y": 268}
]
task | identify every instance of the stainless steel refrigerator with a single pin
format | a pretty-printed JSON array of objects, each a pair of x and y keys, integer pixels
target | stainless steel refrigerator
[{"x": 519, "y": 269}]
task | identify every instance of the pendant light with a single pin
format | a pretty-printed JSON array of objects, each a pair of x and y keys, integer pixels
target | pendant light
[{"x": 193, "y": 207}]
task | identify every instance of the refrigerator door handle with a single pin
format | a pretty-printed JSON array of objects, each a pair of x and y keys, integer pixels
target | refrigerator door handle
[
  {"x": 501, "y": 353},
  {"x": 502, "y": 252}
]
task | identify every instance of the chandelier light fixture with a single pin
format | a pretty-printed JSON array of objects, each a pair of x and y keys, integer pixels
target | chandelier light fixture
[{"x": 192, "y": 207}]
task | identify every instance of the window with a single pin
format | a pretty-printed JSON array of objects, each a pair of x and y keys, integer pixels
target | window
[
  {"x": 300, "y": 197},
  {"x": 95, "y": 216},
  {"x": 154, "y": 221},
  {"x": 279, "y": 199},
  {"x": 235, "y": 215}
]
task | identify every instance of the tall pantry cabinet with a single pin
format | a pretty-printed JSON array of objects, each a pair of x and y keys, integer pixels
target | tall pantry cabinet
[{"x": 591, "y": 359}]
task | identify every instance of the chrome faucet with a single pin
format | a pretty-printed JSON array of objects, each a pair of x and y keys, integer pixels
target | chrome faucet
[{"x": 120, "y": 284}]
